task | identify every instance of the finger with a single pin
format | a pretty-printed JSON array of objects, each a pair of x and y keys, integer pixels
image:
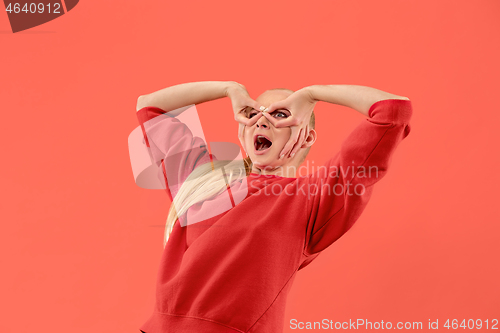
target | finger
[
  {"x": 293, "y": 139},
  {"x": 241, "y": 129},
  {"x": 293, "y": 149},
  {"x": 239, "y": 117},
  {"x": 280, "y": 105},
  {"x": 271, "y": 119},
  {"x": 288, "y": 122},
  {"x": 306, "y": 135},
  {"x": 256, "y": 105},
  {"x": 277, "y": 105},
  {"x": 297, "y": 146},
  {"x": 253, "y": 120},
  {"x": 252, "y": 104},
  {"x": 242, "y": 119}
]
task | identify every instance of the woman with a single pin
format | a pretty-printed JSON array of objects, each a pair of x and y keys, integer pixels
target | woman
[{"x": 229, "y": 267}]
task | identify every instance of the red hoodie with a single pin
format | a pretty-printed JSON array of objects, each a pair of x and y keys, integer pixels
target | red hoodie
[{"x": 232, "y": 272}]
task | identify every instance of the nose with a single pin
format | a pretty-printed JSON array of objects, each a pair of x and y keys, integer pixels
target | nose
[{"x": 262, "y": 122}]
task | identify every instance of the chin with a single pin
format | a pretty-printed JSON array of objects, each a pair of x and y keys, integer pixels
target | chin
[{"x": 263, "y": 162}]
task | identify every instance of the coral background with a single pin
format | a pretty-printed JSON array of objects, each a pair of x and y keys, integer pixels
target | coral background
[{"x": 80, "y": 242}]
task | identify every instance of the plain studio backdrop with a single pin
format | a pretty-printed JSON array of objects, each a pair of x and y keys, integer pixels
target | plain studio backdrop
[{"x": 81, "y": 242}]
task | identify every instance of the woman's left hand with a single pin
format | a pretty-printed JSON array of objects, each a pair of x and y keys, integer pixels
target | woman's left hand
[
  {"x": 242, "y": 103},
  {"x": 301, "y": 105}
]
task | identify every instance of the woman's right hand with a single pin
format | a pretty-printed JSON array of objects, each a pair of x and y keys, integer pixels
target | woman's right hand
[{"x": 243, "y": 104}]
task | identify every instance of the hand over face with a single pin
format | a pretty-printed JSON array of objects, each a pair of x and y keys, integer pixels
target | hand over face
[
  {"x": 242, "y": 102},
  {"x": 301, "y": 105}
]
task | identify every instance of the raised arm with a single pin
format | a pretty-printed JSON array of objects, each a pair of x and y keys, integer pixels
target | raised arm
[
  {"x": 170, "y": 143},
  {"x": 178, "y": 96},
  {"x": 363, "y": 160},
  {"x": 302, "y": 102},
  {"x": 359, "y": 98},
  {"x": 184, "y": 94}
]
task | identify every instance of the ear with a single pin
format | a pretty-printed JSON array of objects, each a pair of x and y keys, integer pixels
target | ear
[{"x": 310, "y": 139}]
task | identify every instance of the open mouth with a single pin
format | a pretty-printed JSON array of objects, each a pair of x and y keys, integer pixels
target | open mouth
[{"x": 262, "y": 143}]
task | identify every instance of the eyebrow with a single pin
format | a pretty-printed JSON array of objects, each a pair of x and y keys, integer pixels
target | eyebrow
[
  {"x": 282, "y": 110},
  {"x": 253, "y": 109}
]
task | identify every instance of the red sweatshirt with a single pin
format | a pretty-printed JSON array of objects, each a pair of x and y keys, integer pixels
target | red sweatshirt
[{"x": 232, "y": 272}]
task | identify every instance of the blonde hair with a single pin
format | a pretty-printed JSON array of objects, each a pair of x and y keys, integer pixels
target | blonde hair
[{"x": 203, "y": 184}]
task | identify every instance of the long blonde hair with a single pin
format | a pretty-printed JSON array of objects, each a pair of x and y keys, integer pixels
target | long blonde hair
[{"x": 203, "y": 184}]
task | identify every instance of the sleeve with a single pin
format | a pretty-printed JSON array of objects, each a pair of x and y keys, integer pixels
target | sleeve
[
  {"x": 340, "y": 190},
  {"x": 171, "y": 146}
]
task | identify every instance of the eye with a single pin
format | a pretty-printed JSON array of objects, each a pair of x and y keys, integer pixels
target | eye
[
  {"x": 279, "y": 114},
  {"x": 251, "y": 114}
]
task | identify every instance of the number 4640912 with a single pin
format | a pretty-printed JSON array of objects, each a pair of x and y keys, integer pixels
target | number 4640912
[
  {"x": 34, "y": 8},
  {"x": 472, "y": 324}
]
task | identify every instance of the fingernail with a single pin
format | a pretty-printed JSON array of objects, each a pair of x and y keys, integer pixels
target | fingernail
[
  {"x": 281, "y": 156},
  {"x": 262, "y": 108},
  {"x": 291, "y": 155}
]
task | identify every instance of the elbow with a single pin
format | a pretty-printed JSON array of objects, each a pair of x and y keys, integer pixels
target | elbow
[
  {"x": 405, "y": 118},
  {"x": 141, "y": 102},
  {"x": 400, "y": 114},
  {"x": 403, "y": 112},
  {"x": 407, "y": 113},
  {"x": 397, "y": 111}
]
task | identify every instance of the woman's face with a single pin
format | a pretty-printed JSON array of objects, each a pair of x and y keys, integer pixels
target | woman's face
[{"x": 263, "y": 141}]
